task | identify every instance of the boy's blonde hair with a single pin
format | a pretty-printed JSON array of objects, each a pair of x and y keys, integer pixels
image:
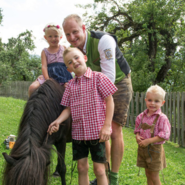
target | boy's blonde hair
[
  {"x": 156, "y": 90},
  {"x": 68, "y": 50},
  {"x": 76, "y": 17},
  {"x": 53, "y": 26}
]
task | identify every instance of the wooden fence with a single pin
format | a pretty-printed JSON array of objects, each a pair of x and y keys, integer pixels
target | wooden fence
[
  {"x": 174, "y": 107},
  {"x": 16, "y": 89}
]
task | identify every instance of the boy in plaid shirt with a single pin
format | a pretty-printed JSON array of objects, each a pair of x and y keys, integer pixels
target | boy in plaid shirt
[
  {"x": 88, "y": 98},
  {"x": 152, "y": 129}
]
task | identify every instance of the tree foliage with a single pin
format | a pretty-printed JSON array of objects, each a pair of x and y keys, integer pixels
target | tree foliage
[
  {"x": 1, "y": 16},
  {"x": 16, "y": 62},
  {"x": 150, "y": 34}
]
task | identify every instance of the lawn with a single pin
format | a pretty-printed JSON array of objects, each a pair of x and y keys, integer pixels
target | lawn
[{"x": 10, "y": 113}]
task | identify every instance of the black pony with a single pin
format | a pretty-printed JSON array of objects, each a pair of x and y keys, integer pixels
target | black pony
[{"x": 28, "y": 162}]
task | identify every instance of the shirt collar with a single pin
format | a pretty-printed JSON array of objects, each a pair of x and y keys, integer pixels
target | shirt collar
[
  {"x": 155, "y": 113},
  {"x": 84, "y": 48},
  {"x": 88, "y": 74}
]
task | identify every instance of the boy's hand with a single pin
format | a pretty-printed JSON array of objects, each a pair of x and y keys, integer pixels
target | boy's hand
[
  {"x": 53, "y": 127},
  {"x": 105, "y": 133},
  {"x": 144, "y": 143}
]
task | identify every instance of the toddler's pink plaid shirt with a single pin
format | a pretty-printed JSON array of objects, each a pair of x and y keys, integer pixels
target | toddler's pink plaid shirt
[
  {"x": 162, "y": 127},
  {"x": 85, "y": 96}
]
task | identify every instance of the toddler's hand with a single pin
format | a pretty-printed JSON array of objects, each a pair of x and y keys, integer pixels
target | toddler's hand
[
  {"x": 144, "y": 143},
  {"x": 139, "y": 138}
]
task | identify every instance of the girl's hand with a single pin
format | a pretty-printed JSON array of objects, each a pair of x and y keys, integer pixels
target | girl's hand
[{"x": 65, "y": 85}]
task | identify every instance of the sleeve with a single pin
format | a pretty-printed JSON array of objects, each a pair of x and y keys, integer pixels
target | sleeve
[
  {"x": 164, "y": 128},
  {"x": 137, "y": 123},
  {"x": 105, "y": 86},
  {"x": 66, "y": 96},
  {"x": 107, "y": 50}
]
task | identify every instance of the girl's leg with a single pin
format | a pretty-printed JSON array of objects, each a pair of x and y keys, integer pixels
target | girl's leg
[
  {"x": 35, "y": 85},
  {"x": 152, "y": 177},
  {"x": 99, "y": 171},
  {"x": 83, "y": 166}
]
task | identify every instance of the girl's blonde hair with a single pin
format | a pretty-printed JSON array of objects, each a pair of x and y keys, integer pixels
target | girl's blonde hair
[
  {"x": 53, "y": 26},
  {"x": 156, "y": 90}
]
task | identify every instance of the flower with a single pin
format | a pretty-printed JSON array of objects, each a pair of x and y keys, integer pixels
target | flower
[{"x": 57, "y": 26}]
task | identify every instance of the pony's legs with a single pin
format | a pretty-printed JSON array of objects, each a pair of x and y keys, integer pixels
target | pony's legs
[{"x": 61, "y": 167}]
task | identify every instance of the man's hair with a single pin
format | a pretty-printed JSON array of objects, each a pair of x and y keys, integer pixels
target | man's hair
[
  {"x": 156, "y": 90},
  {"x": 76, "y": 17},
  {"x": 68, "y": 50}
]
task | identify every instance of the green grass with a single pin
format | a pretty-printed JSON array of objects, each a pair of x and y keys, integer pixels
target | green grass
[{"x": 10, "y": 114}]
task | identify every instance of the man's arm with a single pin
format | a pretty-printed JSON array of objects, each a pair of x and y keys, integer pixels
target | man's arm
[{"x": 107, "y": 50}]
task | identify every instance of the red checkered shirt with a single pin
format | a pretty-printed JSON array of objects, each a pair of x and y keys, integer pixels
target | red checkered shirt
[{"x": 85, "y": 96}]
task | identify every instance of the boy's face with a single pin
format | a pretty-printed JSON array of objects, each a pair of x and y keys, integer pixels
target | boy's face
[
  {"x": 75, "y": 62},
  {"x": 153, "y": 102}
]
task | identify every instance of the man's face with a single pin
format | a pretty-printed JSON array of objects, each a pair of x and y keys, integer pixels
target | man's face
[{"x": 75, "y": 33}]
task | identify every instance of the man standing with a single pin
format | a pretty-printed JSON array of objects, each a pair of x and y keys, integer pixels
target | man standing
[{"x": 104, "y": 55}]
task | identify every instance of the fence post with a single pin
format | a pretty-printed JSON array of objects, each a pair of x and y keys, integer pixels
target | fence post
[
  {"x": 174, "y": 117},
  {"x": 183, "y": 119},
  {"x": 178, "y": 119}
]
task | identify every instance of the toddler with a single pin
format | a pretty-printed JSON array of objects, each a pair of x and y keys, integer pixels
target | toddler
[{"x": 152, "y": 129}]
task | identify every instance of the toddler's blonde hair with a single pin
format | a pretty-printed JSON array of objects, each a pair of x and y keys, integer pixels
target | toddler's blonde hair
[
  {"x": 156, "y": 89},
  {"x": 53, "y": 26}
]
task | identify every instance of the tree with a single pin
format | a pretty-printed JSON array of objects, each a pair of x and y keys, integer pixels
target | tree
[
  {"x": 15, "y": 60},
  {"x": 1, "y": 16},
  {"x": 149, "y": 34}
]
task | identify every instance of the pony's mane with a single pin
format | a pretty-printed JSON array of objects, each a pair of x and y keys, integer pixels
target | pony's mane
[{"x": 31, "y": 153}]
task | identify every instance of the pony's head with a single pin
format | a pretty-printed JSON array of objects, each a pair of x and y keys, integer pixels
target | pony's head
[{"x": 28, "y": 162}]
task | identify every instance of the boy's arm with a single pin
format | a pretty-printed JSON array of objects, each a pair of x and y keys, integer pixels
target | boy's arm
[
  {"x": 44, "y": 65},
  {"x": 105, "y": 132},
  {"x": 151, "y": 140},
  {"x": 54, "y": 126}
]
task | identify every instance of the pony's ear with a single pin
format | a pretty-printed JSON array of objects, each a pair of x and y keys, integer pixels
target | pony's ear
[{"x": 9, "y": 159}]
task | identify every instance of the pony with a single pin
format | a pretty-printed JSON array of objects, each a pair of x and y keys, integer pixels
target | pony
[{"x": 28, "y": 161}]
